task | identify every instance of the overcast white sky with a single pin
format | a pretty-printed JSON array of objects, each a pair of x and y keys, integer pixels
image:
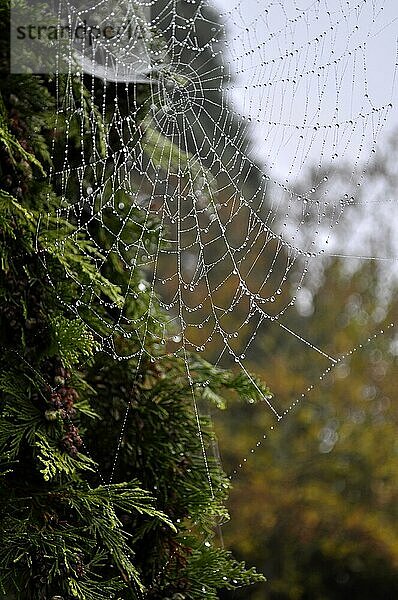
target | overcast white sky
[{"x": 363, "y": 36}]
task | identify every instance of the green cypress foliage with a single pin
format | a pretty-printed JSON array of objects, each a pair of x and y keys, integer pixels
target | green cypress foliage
[{"x": 74, "y": 522}]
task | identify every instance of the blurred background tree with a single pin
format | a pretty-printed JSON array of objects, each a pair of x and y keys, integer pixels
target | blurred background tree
[{"x": 315, "y": 507}]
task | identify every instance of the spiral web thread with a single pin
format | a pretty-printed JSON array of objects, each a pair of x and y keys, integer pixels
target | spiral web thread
[{"x": 218, "y": 115}]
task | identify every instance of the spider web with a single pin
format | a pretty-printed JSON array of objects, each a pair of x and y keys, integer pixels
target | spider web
[{"x": 217, "y": 116}]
